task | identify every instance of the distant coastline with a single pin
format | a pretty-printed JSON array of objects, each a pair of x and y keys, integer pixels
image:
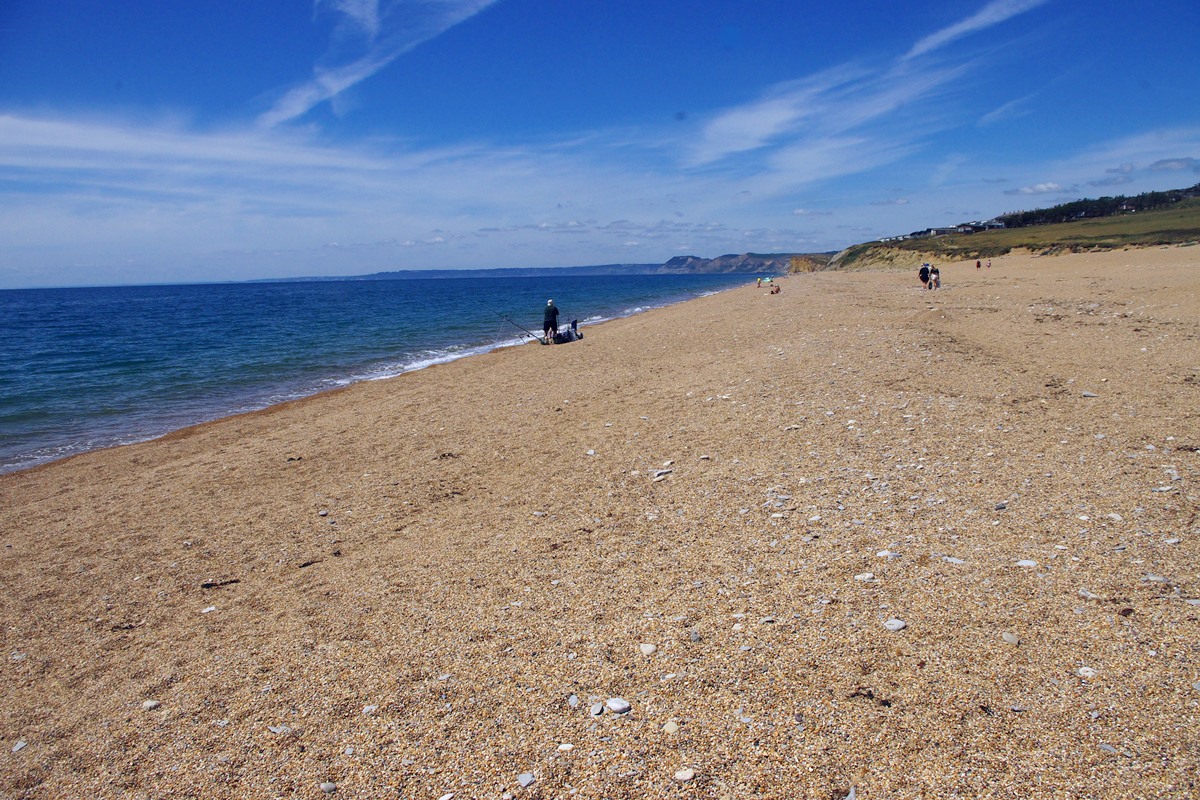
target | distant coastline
[{"x": 732, "y": 264}]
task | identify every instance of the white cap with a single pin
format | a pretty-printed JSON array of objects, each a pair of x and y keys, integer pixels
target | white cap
[{"x": 549, "y": 302}]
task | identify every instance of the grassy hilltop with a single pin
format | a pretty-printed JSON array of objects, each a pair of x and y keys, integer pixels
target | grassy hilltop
[{"x": 1178, "y": 224}]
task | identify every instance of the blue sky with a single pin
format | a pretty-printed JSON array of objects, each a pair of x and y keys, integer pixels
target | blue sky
[{"x": 151, "y": 141}]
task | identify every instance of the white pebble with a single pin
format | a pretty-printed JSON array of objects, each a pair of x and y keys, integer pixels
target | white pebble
[
  {"x": 865, "y": 577},
  {"x": 1086, "y": 672},
  {"x": 686, "y": 774},
  {"x": 565, "y": 747},
  {"x": 596, "y": 710},
  {"x": 671, "y": 727},
  {"x": 19, "y": 746},
  {"x": 328, "y": 787},
  {"x": 648, "y": 649},
  {"x": 1027, "y": 562},
  {"x": 525, "y": 779},
  {"x": 150, "y": 705},
  {"x": 1011, "y": 638},
  {"x": 894, "y": 624},
  {"x": 617, "y": 705}
]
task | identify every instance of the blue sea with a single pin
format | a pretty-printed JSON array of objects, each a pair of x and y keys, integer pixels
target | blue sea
[{"x": 82, "y": 369}]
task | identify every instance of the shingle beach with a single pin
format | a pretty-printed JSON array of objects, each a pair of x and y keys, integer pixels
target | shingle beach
[{"x": 855, "y": 539}]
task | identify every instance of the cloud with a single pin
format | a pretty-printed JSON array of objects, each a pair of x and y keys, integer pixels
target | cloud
[
  {"x": 993, "y": 13},
  {"x": 1176, "y": 164},
  {"x": 837, "y": 122},
  {"x": 1043, "y": 188},
  {"x": 1013, "y": 109},
  {"x": 376, "y": 39}
]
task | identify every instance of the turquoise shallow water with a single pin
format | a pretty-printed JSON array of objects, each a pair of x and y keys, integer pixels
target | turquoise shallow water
[{"x": 82, "y": 369}]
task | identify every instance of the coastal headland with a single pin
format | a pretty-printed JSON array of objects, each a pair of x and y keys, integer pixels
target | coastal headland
[{"x": 852, "y": 539}]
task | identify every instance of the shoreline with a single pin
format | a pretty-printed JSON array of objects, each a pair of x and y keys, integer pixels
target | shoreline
[
  {"x": 423, "y": 585},
  {"x": 292, "y": 389}
]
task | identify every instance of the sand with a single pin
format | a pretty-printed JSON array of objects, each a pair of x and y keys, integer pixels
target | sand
[{"x": 396, "y": 590}]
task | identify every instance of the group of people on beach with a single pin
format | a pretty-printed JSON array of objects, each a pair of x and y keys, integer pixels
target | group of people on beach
[
  {"x": 775, "y": 288},
  {"x": 931, "y": 277}
]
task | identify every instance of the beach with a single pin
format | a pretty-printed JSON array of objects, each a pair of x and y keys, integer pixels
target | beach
[{"x": 855, "y": 538}]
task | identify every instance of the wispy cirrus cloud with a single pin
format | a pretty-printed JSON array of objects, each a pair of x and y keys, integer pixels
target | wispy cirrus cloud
[
  {"x": 366, "y": 39},
  {"x": 841, "y": 110},
  {"x": 993, "y": 13}
]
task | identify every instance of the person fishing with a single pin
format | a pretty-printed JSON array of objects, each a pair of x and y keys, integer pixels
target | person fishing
[{"x": 550, "y": 321}]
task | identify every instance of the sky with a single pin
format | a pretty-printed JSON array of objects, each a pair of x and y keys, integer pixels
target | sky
[{"x": 144, "y": 141}]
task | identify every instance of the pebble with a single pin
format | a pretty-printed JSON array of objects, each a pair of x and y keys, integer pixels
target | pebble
[
  {"x": 1010, "y": 638},
  {"x": 953, "y": 560},
  {"x": 208, "y": 610},
  {"x": 328, "y": 787},
  {"x": 1086, "y": 672},
  {"x": 150, "y": 705},
  {"x": 1090, "y": 394},
  {"x": 617, "y": 705},
  {"x": 686, "y": 774},
  {"x": 565, "y": 747},
  {"x": 648, "y": 649},
  {"x": 369, "y": 710},
  {"x": 1027, "y": 562},
  {"x": 323, "y": 512},
  {"x": 865, "y": 577},
  {"x": 894, "y": 624},
  {"x": 279, "y": 729},
  {"x": 671, "y": 727},
  {"x": 19, "y": 746},
  {"x": 596, "y": 710},
  {"x": 573, "y": 701},
  {"x": 525, "y": 779}
]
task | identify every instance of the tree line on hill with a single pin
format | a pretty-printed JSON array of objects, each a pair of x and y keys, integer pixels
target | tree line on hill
[{"x": 1099, "y": 207}]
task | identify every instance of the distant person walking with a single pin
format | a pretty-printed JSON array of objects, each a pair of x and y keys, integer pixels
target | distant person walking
[
  {"x": 989, "y": 263},
  {"x": 978, "y": 265},
  {"x": 550, "y": 322},
  {"x": 935, "y": 278},
  {"x": 923, "y": 274}
]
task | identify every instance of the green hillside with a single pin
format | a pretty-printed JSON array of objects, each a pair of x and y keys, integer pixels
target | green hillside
[{"x": 1179, "y": 224}]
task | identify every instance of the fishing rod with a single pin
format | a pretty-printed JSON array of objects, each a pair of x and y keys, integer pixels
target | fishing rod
[{"x": 522, "y": 327}]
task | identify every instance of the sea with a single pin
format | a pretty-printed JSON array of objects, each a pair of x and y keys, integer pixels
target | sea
[{"x": 89, "y": 368}]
